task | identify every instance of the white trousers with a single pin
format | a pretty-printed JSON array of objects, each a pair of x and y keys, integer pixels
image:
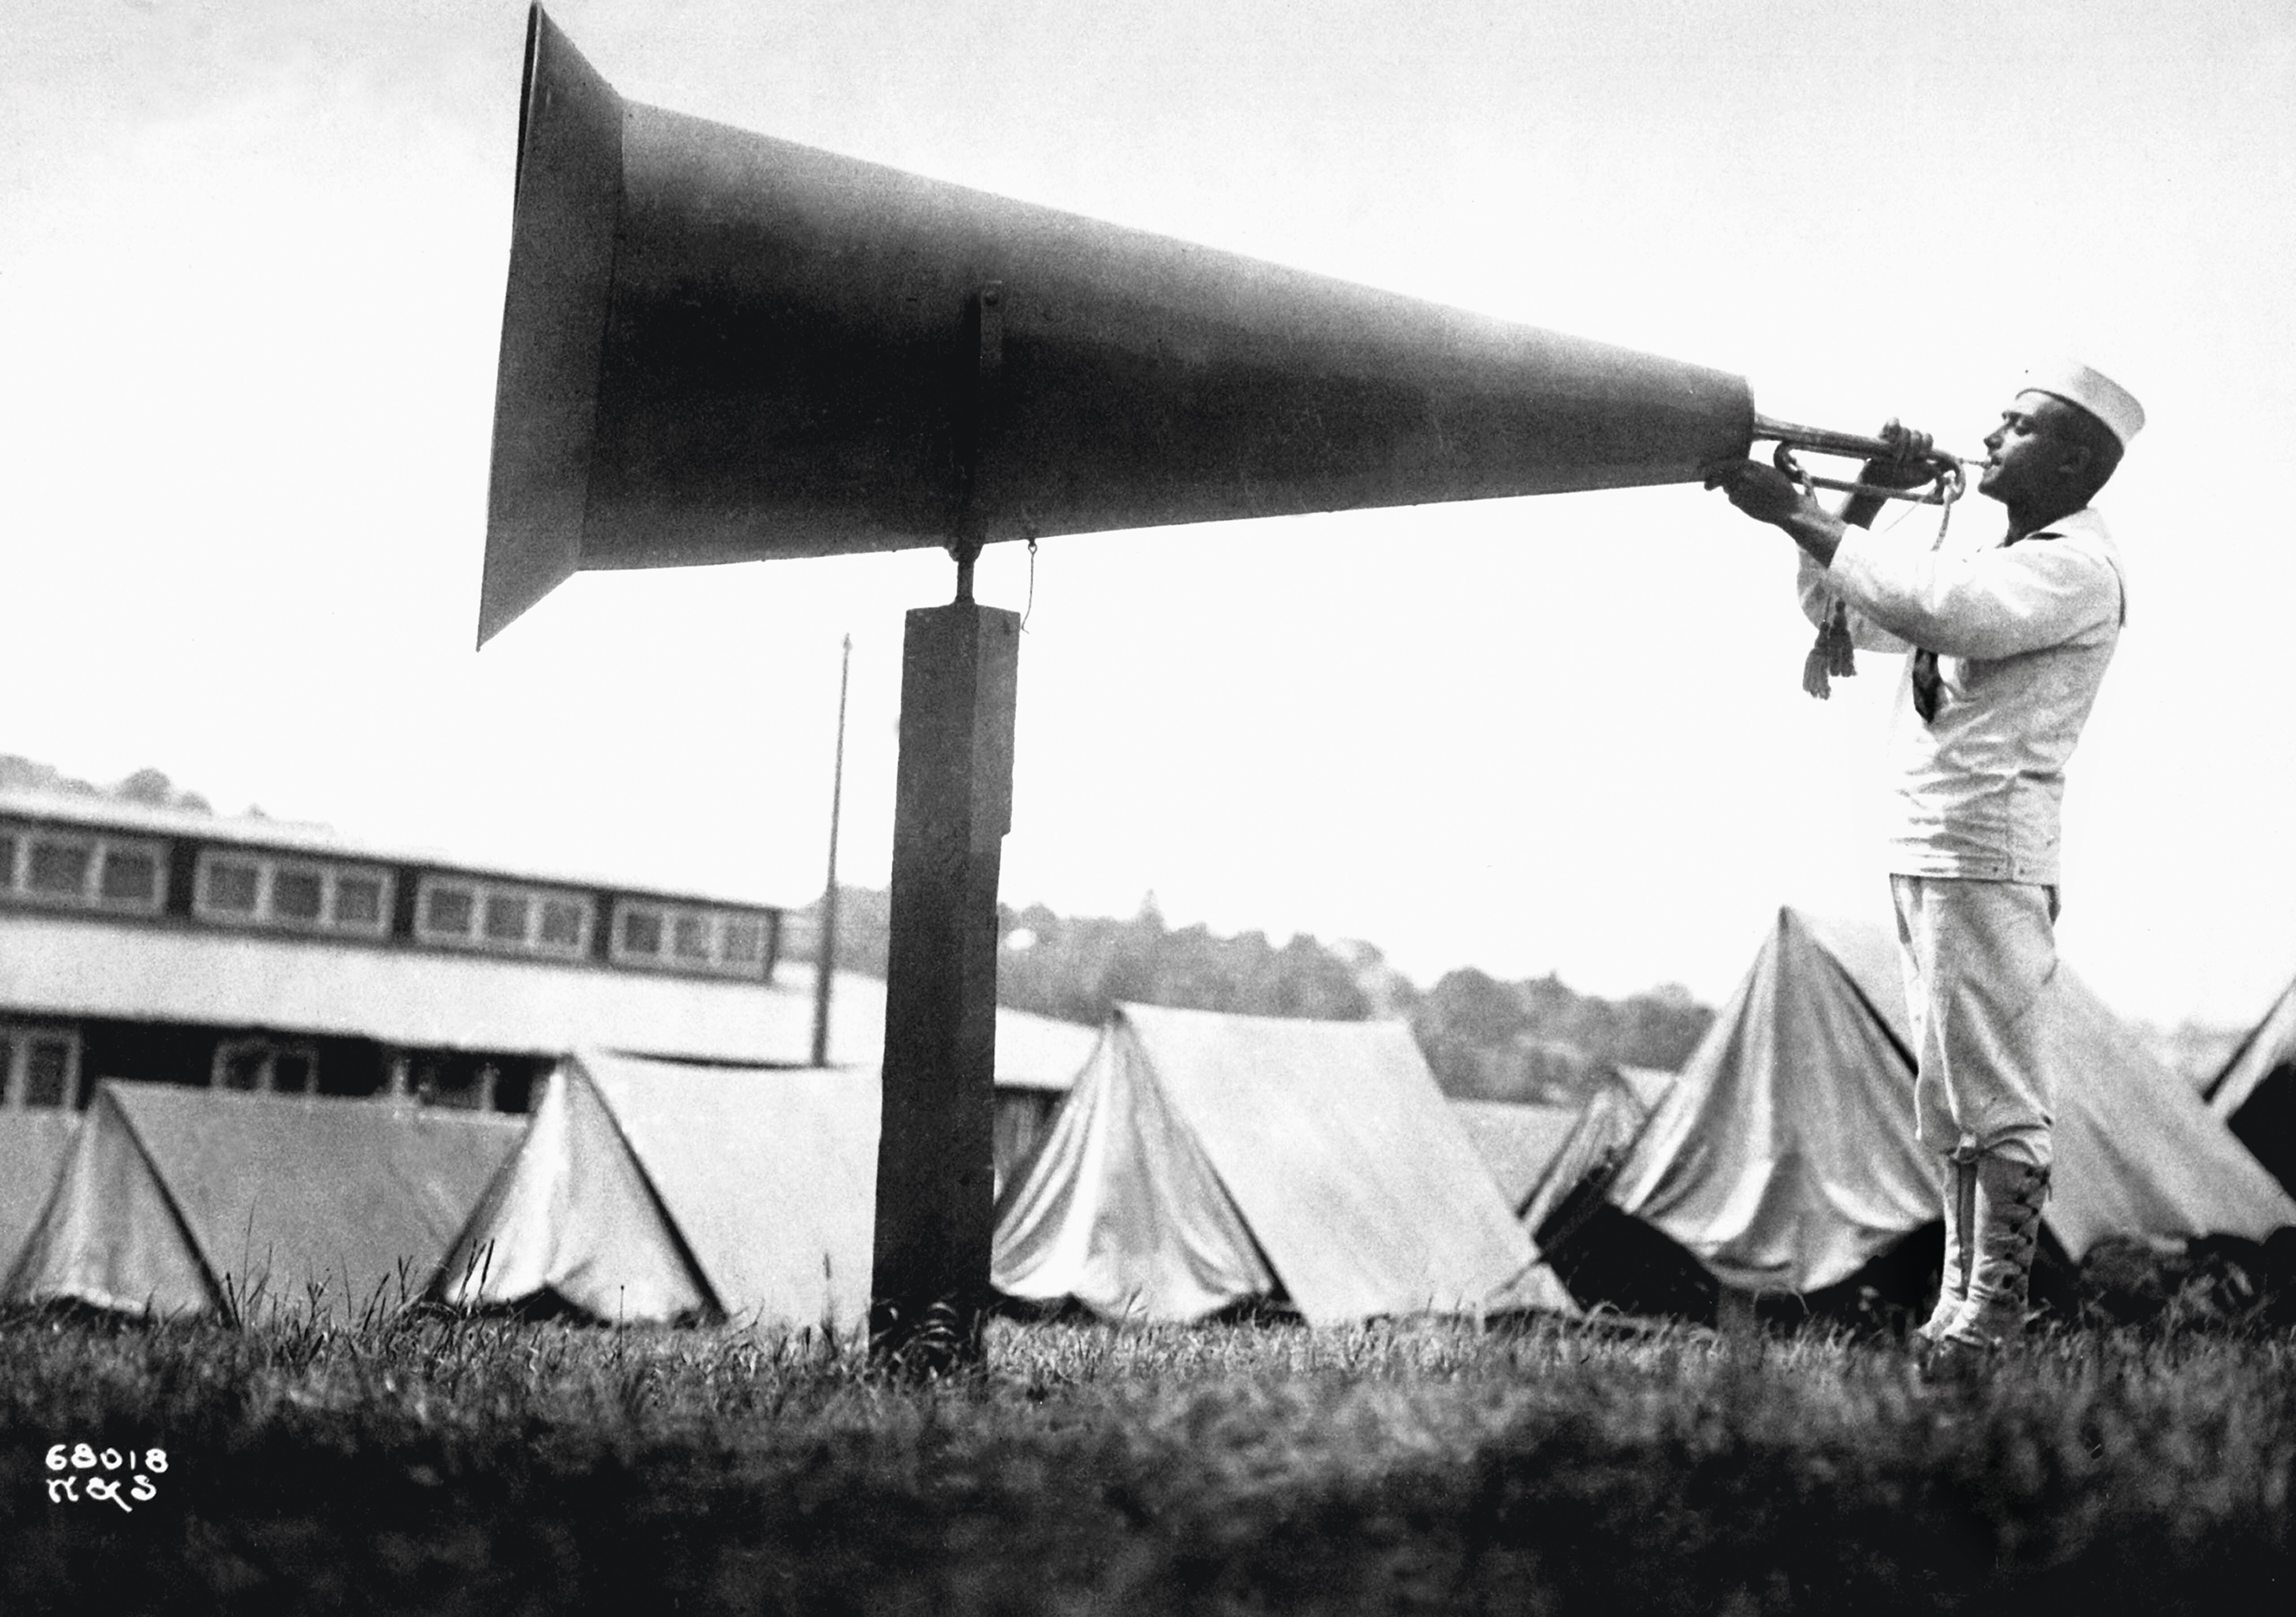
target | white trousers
[{"x": 1977, "y": 957}]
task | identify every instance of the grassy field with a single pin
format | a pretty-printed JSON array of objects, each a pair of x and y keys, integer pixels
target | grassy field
[{"x": 425, "y": 1463}]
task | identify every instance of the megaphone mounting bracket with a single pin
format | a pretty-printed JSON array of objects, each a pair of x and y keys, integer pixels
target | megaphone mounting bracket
[{"x": 985, "y": 323}]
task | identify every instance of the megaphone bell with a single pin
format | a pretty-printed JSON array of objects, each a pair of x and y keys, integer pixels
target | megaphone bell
[{"x": 719, "y": 347}]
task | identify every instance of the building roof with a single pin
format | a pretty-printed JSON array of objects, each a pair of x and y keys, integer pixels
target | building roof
[
  {"x": 65, "y": 965},
  {"x": 1033, "y": 1052}
]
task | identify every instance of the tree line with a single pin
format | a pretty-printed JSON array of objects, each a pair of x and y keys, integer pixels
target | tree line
[
  {"x": 1537, "y": 1039},
  {"x": 147, "y": 785}
]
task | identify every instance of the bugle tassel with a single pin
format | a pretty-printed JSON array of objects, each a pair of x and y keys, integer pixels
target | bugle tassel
[{"x": 1832, "y": 653}]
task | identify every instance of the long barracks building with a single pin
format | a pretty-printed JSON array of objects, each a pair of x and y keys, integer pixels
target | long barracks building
[{"x": 166, "y": 946}]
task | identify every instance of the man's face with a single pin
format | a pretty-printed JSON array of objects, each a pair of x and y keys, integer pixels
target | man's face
[{"x": 2027, "y": 449}]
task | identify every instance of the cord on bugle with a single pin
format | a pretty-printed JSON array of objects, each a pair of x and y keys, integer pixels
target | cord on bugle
[{"x": 1945, "y": 478}]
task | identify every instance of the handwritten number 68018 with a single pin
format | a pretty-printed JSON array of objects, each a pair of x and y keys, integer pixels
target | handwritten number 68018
[{"x": 81, "y": 1458}]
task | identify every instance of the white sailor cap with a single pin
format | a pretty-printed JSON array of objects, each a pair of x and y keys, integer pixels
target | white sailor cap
[{"x": 2093, "y": 391}]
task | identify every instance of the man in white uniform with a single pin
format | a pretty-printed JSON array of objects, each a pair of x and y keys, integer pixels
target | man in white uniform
[{"x": 2009, "y": 638}]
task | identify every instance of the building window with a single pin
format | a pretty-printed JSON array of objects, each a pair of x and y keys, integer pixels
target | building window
[
  {"x": 239, "y": 1066},
  {"x": 96, "y": 869},
  {"x": 304, "y": 894},
  {"x": 294, "y": 1071},
  {"x": 508, "y": 915},
  {"x": 743, "y": 941},
  {"x": 131, "y": 875},
  {"x": 59, "y": 868},
  {"x": 504, "y": 916},
  {"x": 641, "y": 931},
  {"x": 565, "y": 924},
  {"x": 38, "y": 1066},
  {"x": 297, "y": 893},
  {"x": 358, "y": 902},
  {"x": 692, "y": 938},
  {"x": 265, "y": 1066},
  {"x": 446, "y": 911},
  {"x": 475, "y": 1081},
  {"x": 229, "y": 886}
]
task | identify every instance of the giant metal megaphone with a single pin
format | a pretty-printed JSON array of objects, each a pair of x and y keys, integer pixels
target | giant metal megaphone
[{"x": 721, "y": 347}]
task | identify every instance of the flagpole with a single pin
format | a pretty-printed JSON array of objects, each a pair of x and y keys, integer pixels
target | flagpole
[{"x": 825, "y": 962}]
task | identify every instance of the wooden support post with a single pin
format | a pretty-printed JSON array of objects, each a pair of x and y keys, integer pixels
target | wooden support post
[{"x": 935, "y": 1156}]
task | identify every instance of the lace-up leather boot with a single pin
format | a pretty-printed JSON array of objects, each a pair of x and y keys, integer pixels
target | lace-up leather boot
[
  {"x": 1960, "y": 1247},
  {"x": 2008, "y": 1230}
]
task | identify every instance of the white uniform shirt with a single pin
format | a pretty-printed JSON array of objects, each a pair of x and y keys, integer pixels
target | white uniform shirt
[{"x": 2023, "y": 633}]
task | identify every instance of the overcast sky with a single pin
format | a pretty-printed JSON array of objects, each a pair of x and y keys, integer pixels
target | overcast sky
[{"x": 251, "y": 267}]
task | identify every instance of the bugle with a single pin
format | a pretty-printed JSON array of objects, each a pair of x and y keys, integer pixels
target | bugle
[{"x": 1945, "y": 474}]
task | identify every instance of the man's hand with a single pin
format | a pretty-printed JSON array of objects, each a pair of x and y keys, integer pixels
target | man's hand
[
  {"x": 1764, "y": 493},
  {"x": 1768, "y": 494},
  {"x": 1907, "y": 465}
]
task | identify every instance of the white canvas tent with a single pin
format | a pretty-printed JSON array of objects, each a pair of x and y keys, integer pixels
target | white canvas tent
[
  {"x": 2270, "y": 1047},
  {"x": 1603, "y": 1131},
  {"x": 1785, "y": 1157},
  {"x": 648, "y": 1190},
  {"x": 196, "y": 1201},
  {"x": 1518, "y": 1141},
  {"x": 2256, "y": 1092},
  {"x": 1205, "y": 1159},
  {"x": 34, "y": 1142}
]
